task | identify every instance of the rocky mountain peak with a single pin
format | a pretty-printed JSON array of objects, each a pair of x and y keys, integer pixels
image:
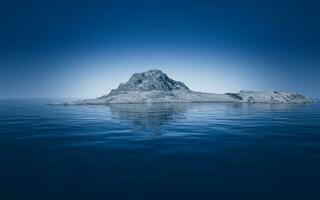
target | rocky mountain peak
[{"x": 150, "y": 80}]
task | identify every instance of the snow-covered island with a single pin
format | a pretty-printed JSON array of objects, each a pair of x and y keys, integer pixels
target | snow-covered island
[{"x": 154, "y": 86}]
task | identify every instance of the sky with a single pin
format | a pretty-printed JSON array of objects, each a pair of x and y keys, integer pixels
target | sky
[{"x": 83, "y": 49}]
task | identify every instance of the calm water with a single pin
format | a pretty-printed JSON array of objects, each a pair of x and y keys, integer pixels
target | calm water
[{"x": 160, "y": 151}]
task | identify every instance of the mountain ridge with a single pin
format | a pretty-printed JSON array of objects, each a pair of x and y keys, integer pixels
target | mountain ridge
[
  {"x": 150, "y": 80},
  {"x": 154, "y": 86}
]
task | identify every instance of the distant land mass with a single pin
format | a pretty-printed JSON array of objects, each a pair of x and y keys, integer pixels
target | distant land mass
[{"x": 154, "y": 86}]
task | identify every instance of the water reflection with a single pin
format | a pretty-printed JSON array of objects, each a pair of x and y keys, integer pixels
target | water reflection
[
  {"x": 214, "y": 146},
  {"x": 148, "y": 117}
]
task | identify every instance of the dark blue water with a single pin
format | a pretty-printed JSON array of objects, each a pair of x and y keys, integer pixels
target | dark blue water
[{"x": 159, "y": 151}]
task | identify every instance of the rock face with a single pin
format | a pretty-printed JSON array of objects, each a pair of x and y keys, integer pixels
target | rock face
[
  {"x": 269, "y": 97},
  {"x": 152, "y": 80},
  {"x": 154, "y": 86}
]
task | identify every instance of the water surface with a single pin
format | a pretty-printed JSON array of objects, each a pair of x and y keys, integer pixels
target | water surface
[{"x": 159, "y": 151}]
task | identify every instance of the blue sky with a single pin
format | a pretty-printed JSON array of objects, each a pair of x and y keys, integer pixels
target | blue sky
[{"x": 86, "y": 48}]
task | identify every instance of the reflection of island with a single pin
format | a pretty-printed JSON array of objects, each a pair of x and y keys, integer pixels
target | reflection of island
[{"x": 148, "y": 117}]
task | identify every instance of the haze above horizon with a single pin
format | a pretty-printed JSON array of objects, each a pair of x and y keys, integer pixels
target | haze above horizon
[{"x": 85, "y": 49}]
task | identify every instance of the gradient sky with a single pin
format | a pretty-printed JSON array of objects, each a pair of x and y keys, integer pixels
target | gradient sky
[{"x": 85, "y": 48}]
